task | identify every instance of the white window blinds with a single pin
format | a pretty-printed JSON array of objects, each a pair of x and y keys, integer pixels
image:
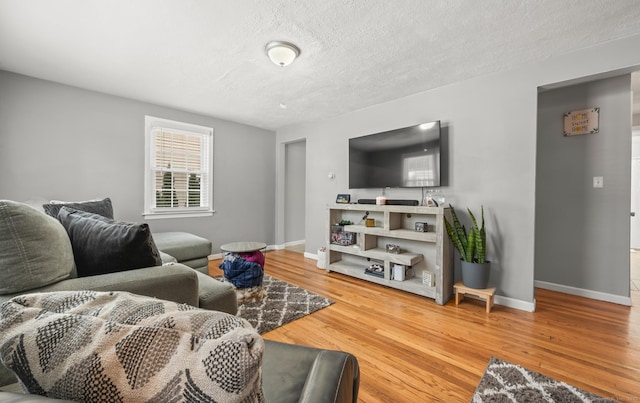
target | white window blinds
[{"x": 179, "y": 167}]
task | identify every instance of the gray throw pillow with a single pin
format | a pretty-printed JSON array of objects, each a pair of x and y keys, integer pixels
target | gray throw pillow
[
  {"x": 102, "y": 207},
  {"x": 34, "y": 249},
  {"x": 101, "y": 245}
]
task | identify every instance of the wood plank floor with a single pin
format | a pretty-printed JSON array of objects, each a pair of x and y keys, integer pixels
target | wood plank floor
[{"x": 412, "y": 350}]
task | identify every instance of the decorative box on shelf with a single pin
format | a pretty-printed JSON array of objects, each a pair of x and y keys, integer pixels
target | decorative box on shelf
[
  {"x": 391, "y": 248},
  {"x": 341, "y": 237},
  {"x": 402, "y": 273},
  {"x": 375, "y": 269}
]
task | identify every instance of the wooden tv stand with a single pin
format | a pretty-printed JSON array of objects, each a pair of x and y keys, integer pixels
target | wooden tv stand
[{"x": 428, "y": 254}]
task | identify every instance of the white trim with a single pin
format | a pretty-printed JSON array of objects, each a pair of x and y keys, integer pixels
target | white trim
[
  {"x": 310, "y": 255},
  {"x": 151, "y": 122},
  {"x": 287, "y": 244},
  {"x": 178, "y": 214},
  {"x": 215, "y": 256},
  {"x": 581, "y": 292},
  {"x": 515, "y": 303}
]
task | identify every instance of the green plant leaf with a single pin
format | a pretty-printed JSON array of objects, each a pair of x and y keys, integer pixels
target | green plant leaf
[
  {"x": 480, "y": 236},
  {"x": 460, "y": 230},
  {"x": 471, "y": 246},
  {"x": 481, "y": 240},
  {"x": 453, "y": 234}
]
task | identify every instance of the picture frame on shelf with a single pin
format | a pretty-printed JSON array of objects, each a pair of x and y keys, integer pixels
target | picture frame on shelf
[
  {"x": 343, "y": 198},
  {"x": 341, "y": 237}
]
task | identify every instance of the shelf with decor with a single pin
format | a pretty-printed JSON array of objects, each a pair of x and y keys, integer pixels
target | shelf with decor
[{"x": 407, "y": 247}]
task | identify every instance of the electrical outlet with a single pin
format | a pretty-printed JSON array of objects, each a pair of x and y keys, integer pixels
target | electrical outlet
[{"x": 598, "y": 182}]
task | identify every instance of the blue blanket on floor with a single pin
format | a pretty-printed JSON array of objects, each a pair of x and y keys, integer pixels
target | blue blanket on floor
[{"x": 241, "y": 272}]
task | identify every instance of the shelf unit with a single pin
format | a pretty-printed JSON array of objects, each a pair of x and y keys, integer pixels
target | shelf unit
[{"x": 430, "y": 251}]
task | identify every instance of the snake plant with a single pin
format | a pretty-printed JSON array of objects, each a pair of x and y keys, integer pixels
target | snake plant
[{"x": 472, "y": 245}]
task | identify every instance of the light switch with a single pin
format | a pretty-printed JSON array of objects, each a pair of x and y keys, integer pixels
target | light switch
[{"x": 598, "y": 182}]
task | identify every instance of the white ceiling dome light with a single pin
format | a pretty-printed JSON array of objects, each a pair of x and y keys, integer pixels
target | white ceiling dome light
[{"x": 282, "y": 53}]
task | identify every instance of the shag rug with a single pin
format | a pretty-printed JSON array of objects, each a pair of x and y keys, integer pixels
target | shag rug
[
  {"x": 282, "y": 303},
  {"x": 506, "y": 382}
]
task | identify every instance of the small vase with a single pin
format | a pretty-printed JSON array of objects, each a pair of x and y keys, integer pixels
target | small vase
[{"x": 475, "y": 275}]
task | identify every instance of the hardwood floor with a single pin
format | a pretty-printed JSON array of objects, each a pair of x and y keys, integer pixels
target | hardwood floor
[{"x": 412, "y": 350}]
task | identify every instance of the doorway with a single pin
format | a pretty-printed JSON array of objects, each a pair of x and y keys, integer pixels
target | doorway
[
  {"x": 294, "y": 195},
  {"x": 580, "y": 229},
  {"x": 634, "y": 232}
]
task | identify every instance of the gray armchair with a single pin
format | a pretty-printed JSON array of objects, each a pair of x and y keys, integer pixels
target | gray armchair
[{"x": 293, "y": 373}]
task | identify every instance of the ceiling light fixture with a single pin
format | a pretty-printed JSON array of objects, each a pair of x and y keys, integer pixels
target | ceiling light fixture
[{"x": 282, "y": 53}]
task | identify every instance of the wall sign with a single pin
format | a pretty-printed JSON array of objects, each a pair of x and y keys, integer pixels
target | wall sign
[{"x": 584, "y": 121}]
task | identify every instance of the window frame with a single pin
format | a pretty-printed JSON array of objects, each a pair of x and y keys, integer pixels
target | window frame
[{"x": 151, "y": 211}]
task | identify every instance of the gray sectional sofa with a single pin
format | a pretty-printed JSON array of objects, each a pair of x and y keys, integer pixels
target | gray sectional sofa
[{"x": 36, "y": 256}]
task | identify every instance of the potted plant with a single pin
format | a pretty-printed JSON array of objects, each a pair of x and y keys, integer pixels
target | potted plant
[{"x": 472, "y": 247}]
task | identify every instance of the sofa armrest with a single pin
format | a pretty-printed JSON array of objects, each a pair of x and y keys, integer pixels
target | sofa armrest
[
  {"x": 176, "y": 282},
  {"x": 293, "y": 373},
  {"x": 334, "y": 377},
  {"x": 215, "y": 295}
]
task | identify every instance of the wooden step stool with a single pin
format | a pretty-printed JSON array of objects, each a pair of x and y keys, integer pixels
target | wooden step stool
[{"x": 486, "y": 294}]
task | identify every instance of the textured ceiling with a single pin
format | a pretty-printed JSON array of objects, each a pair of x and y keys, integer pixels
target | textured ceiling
[{"x": 208, "y": 56}]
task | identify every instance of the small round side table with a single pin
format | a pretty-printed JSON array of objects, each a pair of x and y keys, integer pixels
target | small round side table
[
  {"x": 243, "y": 247},
  {"x": 255, "y": 292}
]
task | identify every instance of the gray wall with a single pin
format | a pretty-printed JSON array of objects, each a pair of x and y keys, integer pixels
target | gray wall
[
  {"x": 295, "y": 157},
  {"x": 62, "y": 142},
  {"x": 582, "y": 233},
  {"x": 491, "y": 133}
]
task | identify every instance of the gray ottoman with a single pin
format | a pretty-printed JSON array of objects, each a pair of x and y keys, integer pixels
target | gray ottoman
[{"x": 188, "y": 249}]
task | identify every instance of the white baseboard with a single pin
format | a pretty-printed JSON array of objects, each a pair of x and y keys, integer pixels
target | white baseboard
[
  {"x": 581, "y": 292},
  {"x": 515, "y": 303},
  {"x": 287, "y": 244},
  {"x": 506, "y": 301},
  {"x": 311, "y": 255}
]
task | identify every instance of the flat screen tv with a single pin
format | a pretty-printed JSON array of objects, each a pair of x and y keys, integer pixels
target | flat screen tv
[{"x": 407, "y": 157}]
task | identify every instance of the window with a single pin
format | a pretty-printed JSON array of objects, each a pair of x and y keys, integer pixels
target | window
[
  {"x": 178, "y": 169},
  {"x": 420, "y": 169}
]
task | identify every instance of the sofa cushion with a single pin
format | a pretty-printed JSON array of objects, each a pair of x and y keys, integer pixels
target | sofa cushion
[
  {"x": 116, "y": 346},
  {"x": 34, "y": 249},
  {"x": 101, "y": 245},
  {"x": 183, "y": 245},
  {"x": 102, "y": 207}
]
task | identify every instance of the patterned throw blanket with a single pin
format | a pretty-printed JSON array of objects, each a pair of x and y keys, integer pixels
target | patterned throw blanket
[{"x": 120, "y": 347}]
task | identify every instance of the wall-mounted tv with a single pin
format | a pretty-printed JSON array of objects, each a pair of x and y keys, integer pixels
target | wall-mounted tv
[{"x": 406, "y": 157}]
